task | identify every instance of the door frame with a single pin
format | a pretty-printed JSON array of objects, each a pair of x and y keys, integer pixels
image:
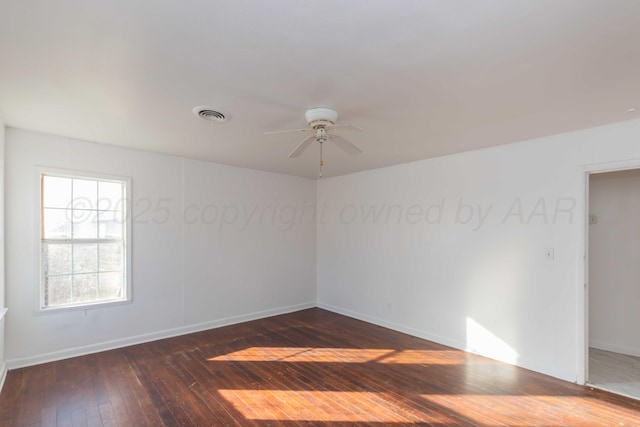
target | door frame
[{"x": 583, "y": 285}]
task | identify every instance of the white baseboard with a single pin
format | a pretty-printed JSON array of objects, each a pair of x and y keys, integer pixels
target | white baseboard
[
  {"x": 459, "y": 345},
  {"x": 3, "y": 375},
  {"x": 615, "y": 348},
  {"x": 3, "y": 369},
  {"x": 394, "y": 326},
  {"x": 153, "y": 336}
]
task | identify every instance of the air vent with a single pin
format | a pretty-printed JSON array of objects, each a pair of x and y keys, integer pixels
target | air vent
[{"x": 211, "y": 114}]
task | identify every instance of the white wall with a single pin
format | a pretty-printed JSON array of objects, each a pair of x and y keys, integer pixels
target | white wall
[
  {"x": 614, "y": 270},
  {"x": 193, "y": 270},
  {"x": 477, "y": 280},
  {"x": 3, "y": 366},
  {"x": 474, "y": 277}
]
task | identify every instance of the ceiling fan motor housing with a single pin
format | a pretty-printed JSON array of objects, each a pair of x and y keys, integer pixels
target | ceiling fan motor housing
[{"x": 321, "y": 117}]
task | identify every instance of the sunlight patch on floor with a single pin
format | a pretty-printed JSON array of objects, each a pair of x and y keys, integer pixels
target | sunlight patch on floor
[
  {"x": 429, "y": 357},
  {"x": 344, "y": 355},
  {"x": 556, "y": 410},
  {"x": 301, "y": 354},
  {"x": 325, "y": 406}
]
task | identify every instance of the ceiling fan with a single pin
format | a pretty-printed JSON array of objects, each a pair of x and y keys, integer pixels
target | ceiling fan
[{"x": 322, "y": 121}]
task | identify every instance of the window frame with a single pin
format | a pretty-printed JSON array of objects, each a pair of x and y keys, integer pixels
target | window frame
[{"x": 38, "y": 246}]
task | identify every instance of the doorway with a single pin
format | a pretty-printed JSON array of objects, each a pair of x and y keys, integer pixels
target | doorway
[{"x": 613, "y": 291}]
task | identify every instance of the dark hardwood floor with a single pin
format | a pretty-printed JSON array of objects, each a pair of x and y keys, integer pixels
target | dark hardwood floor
[{"x": 302, "y": 369}]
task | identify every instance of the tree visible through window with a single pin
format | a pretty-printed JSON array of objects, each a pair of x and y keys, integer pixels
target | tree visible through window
[{"x": 84, "y": 241}]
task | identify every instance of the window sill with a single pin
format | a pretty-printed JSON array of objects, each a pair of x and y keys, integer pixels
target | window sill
[{"x": 87, "y": 307}]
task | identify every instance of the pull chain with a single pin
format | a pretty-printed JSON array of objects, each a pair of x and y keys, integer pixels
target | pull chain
[{"x": 321, "y": 162}]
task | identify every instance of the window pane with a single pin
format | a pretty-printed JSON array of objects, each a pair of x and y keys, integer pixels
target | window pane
[
  {"x": 75, "y": 271},
  {"x": 85, "y": 194},
  {"x": 85, "y": 287},
  {"x": 85, "y": 258},
  {"x": 110, "y": 224},
  {"x": 57, "y": 223},
  {"x": 110, "y": 196},
  {"x": 110, "y": 285},
  {"x": 111, "y": 257},
  {"x": 57, "y": 290},
  {"x": 57, "y": 192},
  {"x": 85, "y": 224},
  {"x": 56, "y": 259}
]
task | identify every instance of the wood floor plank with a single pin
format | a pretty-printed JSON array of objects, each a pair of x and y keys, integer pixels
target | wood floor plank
[{"x": 310, "y": 368}]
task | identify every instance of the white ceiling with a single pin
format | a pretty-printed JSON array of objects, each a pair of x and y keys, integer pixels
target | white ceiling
[{"x": 423, "y": 77}]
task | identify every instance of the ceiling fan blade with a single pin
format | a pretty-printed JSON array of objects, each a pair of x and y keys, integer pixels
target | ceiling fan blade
[
  {"x": 345, "y": 145},
  {"x": 289, "y": 131},
  {"x": 302, "y": 146},
  {"x": 344, "y": 126}
]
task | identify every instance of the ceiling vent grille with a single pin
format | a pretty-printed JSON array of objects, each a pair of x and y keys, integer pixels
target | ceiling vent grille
[{"x": 209, "y": 113}]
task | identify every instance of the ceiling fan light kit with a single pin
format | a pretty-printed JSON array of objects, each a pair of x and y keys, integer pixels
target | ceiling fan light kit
[
  {"x": 321, "y": 117},
  {"x": 321, "y": 120}
]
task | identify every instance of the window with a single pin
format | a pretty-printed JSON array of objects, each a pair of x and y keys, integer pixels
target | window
[{"x": 84, "y": 240}]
